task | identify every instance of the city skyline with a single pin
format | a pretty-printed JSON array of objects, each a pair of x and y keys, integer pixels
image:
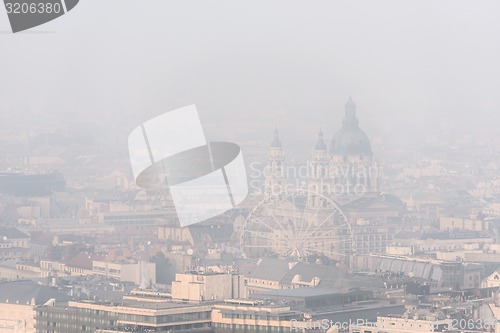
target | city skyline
[{"x": 243, "y": 167}]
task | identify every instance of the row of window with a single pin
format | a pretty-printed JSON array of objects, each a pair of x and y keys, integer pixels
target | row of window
[
  {"x": 237, "y": 328},
  {"x": 172, "y": 318}
]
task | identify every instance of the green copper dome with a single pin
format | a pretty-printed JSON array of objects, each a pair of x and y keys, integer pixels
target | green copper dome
[{"x": 350, "y": 139}]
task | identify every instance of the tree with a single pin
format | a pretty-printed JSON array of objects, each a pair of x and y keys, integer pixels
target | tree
[
  {"x": 9, "y": 215},
  {"x": 162, "y": 268}
]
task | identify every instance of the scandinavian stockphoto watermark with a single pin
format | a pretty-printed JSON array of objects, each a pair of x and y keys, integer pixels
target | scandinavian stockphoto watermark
[
  {"x": 326, "y": 324},
  {"x": 204, "y": 179},
  {"x": 26, "y": 14},
  {"x": 341, "y": 179}
]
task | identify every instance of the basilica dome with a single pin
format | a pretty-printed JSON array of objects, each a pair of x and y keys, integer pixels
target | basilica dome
[{"x": 350, "y": 139}]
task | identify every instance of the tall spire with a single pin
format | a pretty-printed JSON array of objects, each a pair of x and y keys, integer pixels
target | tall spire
[
  {"x": 276, "y": 140},
  {"x": 350, "y": 113},
  {"x": 320, "y": 144}
]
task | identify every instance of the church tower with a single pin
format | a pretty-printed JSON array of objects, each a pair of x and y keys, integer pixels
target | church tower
[
  {"x": 275, "y": 176},
  {"x": 351, "y": 167},
  {"x": 318, "y": 172}
]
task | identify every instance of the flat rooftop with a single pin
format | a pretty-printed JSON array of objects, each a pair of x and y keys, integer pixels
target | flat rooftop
[
  {"x": 159, "y": 305},
  {"x": 302, "y": 292}
]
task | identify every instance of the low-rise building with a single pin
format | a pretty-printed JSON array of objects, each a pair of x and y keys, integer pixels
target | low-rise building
[
  {"x": 127, "y": 315},
  {"x": 137, "y": 272},
  {"x": 18, "y": 301},
  {"x": 273, "y": 274},
  {"x": 254, "y": 316},
  {"x": 151, "y": 218},
  {"x": 14, "y": 244},
  {"x": 302, "y": 299},
  {"x": 492, "y": 280},
  {"x": 207, "y": 286},
  {"x": 12, "y": 271},
  {"x": 405, "y": 324},
  {"x": 449, "y": 223},
  {"x": 439, "y": 273},
  {"x": 80, "y": 265}
]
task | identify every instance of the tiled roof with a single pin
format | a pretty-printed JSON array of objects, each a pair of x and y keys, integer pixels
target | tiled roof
[
  {"x": 12, "y": 233},
  {"x": 282, "y": 271},
  {"x": 24, "y": 291},
  {"x": 270, "y": 269}
]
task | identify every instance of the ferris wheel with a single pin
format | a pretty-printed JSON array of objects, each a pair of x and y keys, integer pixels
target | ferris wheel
[{"x": 297, "y": 224}]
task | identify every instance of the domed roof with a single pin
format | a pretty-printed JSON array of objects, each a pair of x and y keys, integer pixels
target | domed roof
[{"x": 350, "y": 139}]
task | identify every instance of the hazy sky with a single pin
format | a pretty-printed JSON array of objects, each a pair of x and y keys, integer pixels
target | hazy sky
[{"x": 414, "y": 68}]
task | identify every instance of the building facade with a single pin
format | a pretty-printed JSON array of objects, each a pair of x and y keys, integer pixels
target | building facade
[
  {"x": 207, "y": 286},
  {"x": 127, "y": 315},
  {"x": 345, "y": 169}
]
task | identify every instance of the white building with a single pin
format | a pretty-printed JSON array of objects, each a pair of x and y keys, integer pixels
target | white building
[
  {"x": 492, "y": 280},
  {"x": 207, "y": 286},
  {"x": 405, "y": 324},
  {"x": 141, "y": 273}
]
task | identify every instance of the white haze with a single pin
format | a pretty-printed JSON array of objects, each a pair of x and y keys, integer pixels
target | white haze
[{"x": 414, "y": 68}]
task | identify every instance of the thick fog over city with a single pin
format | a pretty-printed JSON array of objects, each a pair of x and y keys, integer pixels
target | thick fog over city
[
  {"x": 249, "y": 166},
  {"x": 416, "y": 69}
]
